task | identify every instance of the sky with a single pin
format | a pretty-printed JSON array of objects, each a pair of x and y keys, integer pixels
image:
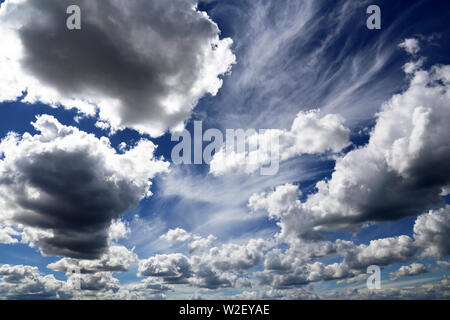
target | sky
[{"x": 96, "y": 204}]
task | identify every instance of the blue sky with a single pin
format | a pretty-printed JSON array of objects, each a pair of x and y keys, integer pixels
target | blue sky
[{"x": 361, "y": 115}]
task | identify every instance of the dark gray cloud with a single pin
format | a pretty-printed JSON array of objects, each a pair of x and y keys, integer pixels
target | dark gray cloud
[
  {"x": 143, "y": 63},
  {"x": 72, "y": 185},
  {"x": 76, "y": 201}
]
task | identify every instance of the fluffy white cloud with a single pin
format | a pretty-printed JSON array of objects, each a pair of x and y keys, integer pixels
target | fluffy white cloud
[
  {"x": 413, "y": 66},
  {"x": 284, "y": 271},
  {"x": 199, "y": 243},
  {"x": 408, "y": 271},
  {"x": 118, "y": 230},
  {"x": 411, "y": 45},
  {"x": 147, "y": 76},
  {"x": 68, "y": 187},
  {"x": 26, "y": 282},
  {"x": 310, "y": 133},
  {"x": 234, "y": 257},
  {"x": 8, "y": 234},
  {"x": 216, "y": 268},
  {"x": 116, "y": 259},
  {"x": 400, "y": 172},
  {"x": 431, "y": 231},
  {"x": 99, "y": 281},
  {"x": 176, "y": 235},
  {"x": 381, "y": 252}
]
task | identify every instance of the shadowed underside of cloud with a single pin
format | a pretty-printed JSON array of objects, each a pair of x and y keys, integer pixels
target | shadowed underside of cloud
[
  {"x": 71, "y": 186},
  {"x": 141, "y": 64}
]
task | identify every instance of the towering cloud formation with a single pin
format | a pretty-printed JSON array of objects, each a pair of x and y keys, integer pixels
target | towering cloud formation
[
  {"x": 141, "y": 64},
  {"x": 69, "y": 186},
  {"x": 402, "y": 171}
]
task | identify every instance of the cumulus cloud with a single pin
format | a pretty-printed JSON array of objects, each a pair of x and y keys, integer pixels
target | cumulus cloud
[
  {"x": 401, "y": 172},
  {"x": 99, "y": 281},
  {"x": 26, "y": 282},
  {"x": 283, "y": 270},
  {"x": 293, "y": 272},
  {"x": 381, "y": 252},
  {"x": 68, "y": 186},
  {"x": 172, "y": 268},
  {"x": 411, "y": 46},
  {"x": 431, "y": 231},
  {"x": 196, "y": 242},
  {"x": 116, "y": 259},
  {"x": 408, "y": 271},
  {"x": 140, "y": 64},
  {"x": 236, "y": 257},
  {"x": 310, "y": 133},
  {"x": 118, "y": 230},
  {"x": 8, "y": 234},
  {"x": 217, "y": 268},
  {"x": 199, "y": 243},
  {"x": 144, "y": 290},
  {"x": 176, "y": 235},
  {"x": 206, "y": 276}
]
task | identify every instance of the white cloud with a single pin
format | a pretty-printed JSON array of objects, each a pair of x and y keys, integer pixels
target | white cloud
[
  {"x": 116, "y": 259},
  {"x": 310, "y": 133},
  {"x": 411, "y": 46},
  {"x": 173, "y": 268},
  {"x": 408, "y": 271},
  {"x": 176, "y": 235},
  {"x": 234, "y": 257},
  {"x": 26, "y": 282},
  {"x": 148, "y": 76},
  {"x": 413, "y": 66},
  {"x": 8, "y": 234},
  {"x": 431, "y": 231},
  {"x": 118, "y": 230},
  {"x": 400, "y": 172},
  {"x": 216, "y": 268},
  {"x": 381, "y": 252},
  {"x": 199, "y": 243}
]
